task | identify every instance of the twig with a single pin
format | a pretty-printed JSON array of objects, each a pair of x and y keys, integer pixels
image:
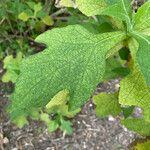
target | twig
[
  {"x": 2, "y": 20},
  {"x": 61, "y": 18},
  {"x": 61, "y": 11}
]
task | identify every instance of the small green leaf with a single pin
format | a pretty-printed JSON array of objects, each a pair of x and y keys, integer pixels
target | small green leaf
[
  {"x": 10, "y": 76},
  {"x": 45, "y": 117},
  {"x": 66, "y": 126},
  {"x": 107, "y": 104},
  {"x": 48, "y": 20},
  {"x": 12, "y": 66},
  {"x": 52, "y": 126},
  {"x": 20, "y": 121},
  {"x": 37, "y": 7},
  {"x": 23, "y": 16},
  {"x": 138, "y": 125}
]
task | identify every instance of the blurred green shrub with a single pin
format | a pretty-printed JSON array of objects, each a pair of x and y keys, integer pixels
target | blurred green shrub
[{"x": 20, "y": 22}]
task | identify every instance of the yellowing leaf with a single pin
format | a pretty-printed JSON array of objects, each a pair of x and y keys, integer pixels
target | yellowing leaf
[
  {"x": 48, "y": 20},
  {"x": 107, "y": 104},
  {"x": 23, "y": 16},
  {"x": 134, "y": 90},
  {"x": 59, "y": 99},
  {"x": 67, "y": 3}
]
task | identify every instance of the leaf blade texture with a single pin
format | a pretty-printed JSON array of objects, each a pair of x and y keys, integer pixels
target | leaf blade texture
[
  {"x": 120, "y": 9},
  {"x": 74, "y": 60},
  {"x": 134, "y": 90},
  {"x": 107, "y": 104},
  {"x": 143, "y": 55},
  {"x": 142, "y": 17},
  {"x": 138, "y": 125}
]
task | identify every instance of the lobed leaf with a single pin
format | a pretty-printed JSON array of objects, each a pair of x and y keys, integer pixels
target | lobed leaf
[{"x": 73, "y": 60}]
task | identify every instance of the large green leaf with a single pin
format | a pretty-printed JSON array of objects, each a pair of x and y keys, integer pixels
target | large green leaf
[
  {"x": 143, "y": 55},
  {"x": 142, "y": 17},
  {"x": 133, "y": 89},
  {"x": 107, "y": 104},
  {"x": 138, "y": 125},
  {"x": 73, "y": 60}
]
